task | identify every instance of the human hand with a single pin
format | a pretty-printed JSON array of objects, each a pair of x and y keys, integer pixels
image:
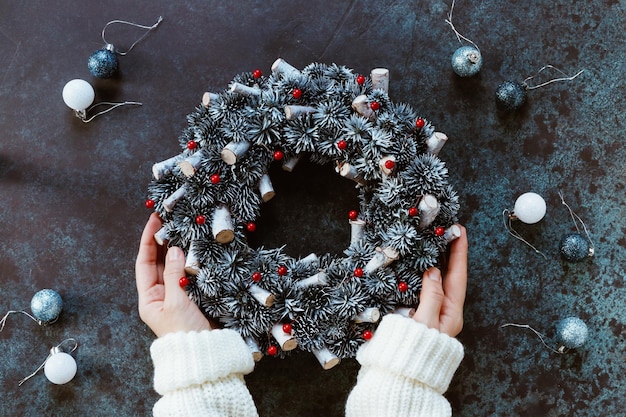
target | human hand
[
  {"x": 441, "y": 303},
  {"x": 163, "y": 305}
]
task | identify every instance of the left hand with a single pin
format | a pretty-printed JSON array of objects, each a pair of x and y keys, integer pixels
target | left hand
[{"x": 163, "y": 305}]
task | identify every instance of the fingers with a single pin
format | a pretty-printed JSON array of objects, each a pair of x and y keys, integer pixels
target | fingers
[
  {"x": 455, "y": 282},
  {"x": 431, "y": 299},
  {"x": 146, "y": 265},
  {"x": 174, "y": 270}
]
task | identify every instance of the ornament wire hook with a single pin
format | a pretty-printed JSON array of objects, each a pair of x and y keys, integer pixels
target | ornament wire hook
[
  {"x": 148, "y": 30},
  {"x": 545, "y": 67},
  {"x": 507, "y": 217},
  {"x": 56, "y": 349},
  {"x": 82, "y": 116},
  {"x": 541, "y": 337},
  {"x": 460, "y": 37},
  {"x": 6, "y": 316},
  {"x": 576, "y": 219}
]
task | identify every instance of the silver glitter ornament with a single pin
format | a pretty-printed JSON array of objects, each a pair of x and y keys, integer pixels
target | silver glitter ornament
[
  {"x": 46, "y": 306},
  {"x": 467, "y": 61},
  {"x": 574, "y": 247},
  {"x": 511, "y": 95},
  {"x": 571, "y": 333}
]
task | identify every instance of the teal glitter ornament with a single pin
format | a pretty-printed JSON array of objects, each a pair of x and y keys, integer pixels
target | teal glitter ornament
[
  {"x": 467, "y": 61},
  {"x": 574, "y": 247},
  {"x": 46, "y": 306},
  {"x": 571, "y": 333}
]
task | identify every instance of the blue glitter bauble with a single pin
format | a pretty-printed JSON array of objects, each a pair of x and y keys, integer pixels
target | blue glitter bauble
[
  {"x": 572, "y": 332},
  {"x": 103, "y": 63},
  {"x": 511, "y": 95},
  {"x": 574, "y": 247},
  {"x": 46, "y": 306},
  {"x": 467, "y": 61}
]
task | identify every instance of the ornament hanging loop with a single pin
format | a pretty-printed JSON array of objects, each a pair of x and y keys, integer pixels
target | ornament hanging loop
[
  {"x": 460, "y": 37},
  {"x": 110, "y": 46},
  {"x": 6, "y": 316},
  {"x": 67, "y": 346},
  {"x": 545, "y": 67},
  {"x": 576, "y": 219},
  {"x": 541, "y": 337},
  {"x": 82, "y": 114},
  {"x": 507, "y": 217}
]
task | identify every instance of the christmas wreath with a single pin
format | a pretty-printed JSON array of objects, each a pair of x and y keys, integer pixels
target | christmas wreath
[{"x": 209, "y": 197}]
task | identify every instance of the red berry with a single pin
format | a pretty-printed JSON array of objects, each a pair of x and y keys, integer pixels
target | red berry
[
  {"x": 403, "y": 286},
  {"x": 278, "y": 155},
  {"x": 272, "y": 350},
  {"x": 256, "y": 276},
  {"x": 257, "y": 73},
  {"x": 287, "y": 328},
  {"x": 191, "y": 145},
  {"x": 358, "y": 272},
  {"x": 282, "y": 270},
  {"x": 389, "y": 164},
  {"x": 360, "y": 80},
  {"x": 200, "y": 219},
  {"x": 150, "y": 204},
  {"x": 367, "y": 334},
  {"x": 183, "y": 282},
  {"x": 251, "y": 227},
  {"x": 215, "y": 179},
  {"x": 439, "y": 231},
  {"x": 296, "y": 93},
  {"x": 374, "y": 105},
  {"x": 353, "y": 214},
  {"x": 342, "y": 144},
  {"x": 413, "y": 211},
  {"x": 420, "y": 123}
]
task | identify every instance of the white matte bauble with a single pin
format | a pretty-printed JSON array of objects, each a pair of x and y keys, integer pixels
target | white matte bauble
[
  {"x": 78, "y": 94},
  {"x": 60, "y": 368},
  {"x": 529, "y": 208}
]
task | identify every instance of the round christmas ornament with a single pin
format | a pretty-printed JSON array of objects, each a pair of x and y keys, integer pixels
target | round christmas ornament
[
  {"x": 466, "y": 60},
  {"x": 511, "y": 95},
  {"x": 574, "y": 247},
  {"x": 78, "y": 95},
  {"x": 571, "y": 333},
  {"x": 328, "y": 301},
  {"x": 103, "y": 63},
  {"x": 529, "y": 208},
  {"x": 46, "y": 306},
  {"x": 59, "y": 367}
]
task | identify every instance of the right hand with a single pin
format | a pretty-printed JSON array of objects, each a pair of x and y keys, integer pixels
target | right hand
[{"x": 441, "y": 300}]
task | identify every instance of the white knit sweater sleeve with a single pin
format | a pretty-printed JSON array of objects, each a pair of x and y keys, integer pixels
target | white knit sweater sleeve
[
  {"x": 201, "y": 374},
  {"x": 405, "y": 369}
]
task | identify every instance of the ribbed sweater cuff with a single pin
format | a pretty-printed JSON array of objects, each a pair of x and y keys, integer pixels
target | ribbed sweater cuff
[
  {"x": 410, "y": 349},
  {"x": 193, "y": 358}
]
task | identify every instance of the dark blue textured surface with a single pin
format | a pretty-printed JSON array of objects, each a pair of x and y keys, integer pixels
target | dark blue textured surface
[{"x": 72, "y": 194}]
